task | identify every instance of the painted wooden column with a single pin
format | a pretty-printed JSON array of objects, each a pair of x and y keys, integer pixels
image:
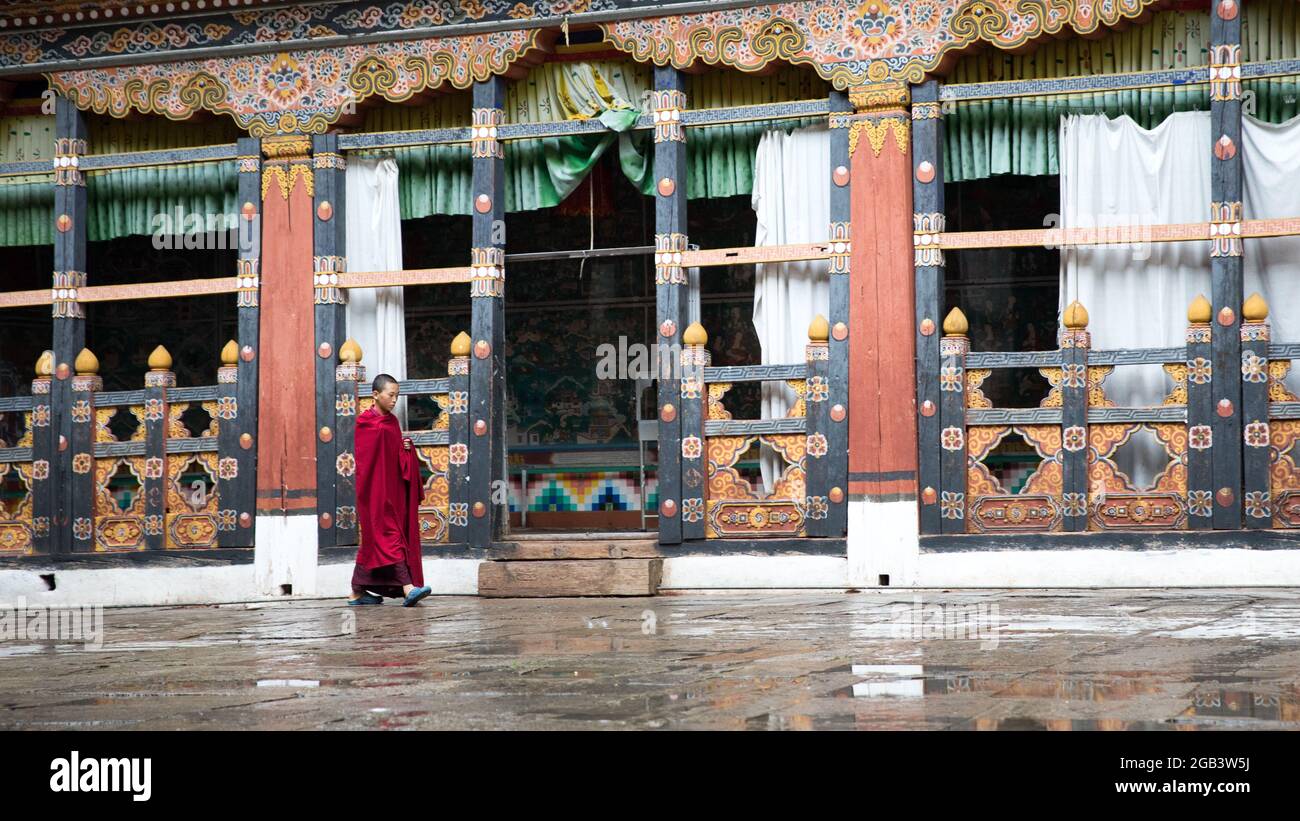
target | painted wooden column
[
  {"x": 228, "y": 445},
  {"x": 241, "y": 496},
  {"x": 882, "y": 380},
  {"x": 1226, "y": 257},
  {"x": 928, "y": 223},
  {"x": 1075, "y": 343},
  {"x": 818, "y": 476},
  {"x": 489, "y": 511},
  {"x": 70, "y": 218},
  {"x": 285, "y": 537},
  {"x": 1256, "y": 453},
  {"x": 82, "y": 413},
  {"x": 1200, "y": 416},
  {"x": 670, "y": 296},
  {"x": 458, "y": 440},
  {"x": 328, "y": 261},
  {"x": 837, "y": 371},
  {"x": 157, "y": 381},
  {"x": 43, "y": 451},
  {"x": 952, "y": 417},
  {"x": 349, "y": 383},
  {"x": 694, "y": 401}
]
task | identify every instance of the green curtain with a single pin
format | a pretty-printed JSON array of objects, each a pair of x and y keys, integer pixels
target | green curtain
[
  {"x": 541, "y": 172},
  {"x": 121, "y": 202},
  {"x": 27, "y": 201},
  {"x": 1019, "y": 136}
]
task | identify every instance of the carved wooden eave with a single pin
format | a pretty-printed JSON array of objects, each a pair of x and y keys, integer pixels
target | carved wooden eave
[
  {"x": 302, "y": 91},
  {"x": 853, "y": 43},
  {"x": 308, "y": 89}
]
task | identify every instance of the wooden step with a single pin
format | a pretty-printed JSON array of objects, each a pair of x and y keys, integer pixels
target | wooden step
[
  {"x": 562, "y": 548},
  {"x": 573, "y": 577}
]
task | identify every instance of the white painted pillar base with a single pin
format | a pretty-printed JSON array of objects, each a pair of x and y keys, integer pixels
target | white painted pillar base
[
  {"x": 883, "y": 540},
  {"x": 284, "y": 552}
]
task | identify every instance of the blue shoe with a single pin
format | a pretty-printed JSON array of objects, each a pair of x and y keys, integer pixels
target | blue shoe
[
  {"x": 366, "y": 599},
  {"x": 417, "y": 593}
]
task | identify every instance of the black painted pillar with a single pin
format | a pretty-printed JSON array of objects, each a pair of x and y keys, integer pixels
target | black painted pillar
[
  {"x": 228, "y": 445},
  {"x": 1226, "y": 258},
  {"x": 82, "y": 488},
  {"x": 42, "y": 454},
  {"x": 486, "y": 477},
  {"x": 670, "y": 295},
  {"x": 458, "y": 436},
  {"x": 328, "y": 261},
  {"x": 928, "y": 224},
  {"x": 820, "y": 429},
  {"x": 837, "y": 370},
  {"x": 70, "y": 217},
  {"x": 1200, "y": 417},
  {"x": 952, "y": 417},
  {"x": 1257, "y": 450},
  {"x": 240, "y": 497},
  {"x": 1075, "y": 343},
  {"x": 157, "y": 381},
  {"x": 693, "y": 413}
]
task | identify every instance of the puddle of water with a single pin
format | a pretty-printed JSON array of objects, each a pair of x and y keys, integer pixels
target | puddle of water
[{"x": 288, "y": 682}]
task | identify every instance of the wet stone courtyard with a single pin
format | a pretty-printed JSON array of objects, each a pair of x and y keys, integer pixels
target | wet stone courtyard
[{"x": 869, "y": 660}]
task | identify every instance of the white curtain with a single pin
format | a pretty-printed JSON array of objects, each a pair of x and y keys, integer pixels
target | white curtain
[
  {"x": 376, "y": 317},
  {"x": 791, "y": 199},
  {"x": 1114, "y": 172}
]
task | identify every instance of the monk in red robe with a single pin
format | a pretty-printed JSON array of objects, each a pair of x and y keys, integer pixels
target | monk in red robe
[{"x": 388, "y": 502}]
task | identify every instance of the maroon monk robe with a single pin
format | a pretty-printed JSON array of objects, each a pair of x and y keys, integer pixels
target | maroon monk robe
[{"x": 388, "y": 496}]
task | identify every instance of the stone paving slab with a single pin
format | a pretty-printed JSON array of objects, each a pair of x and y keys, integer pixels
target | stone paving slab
[{"x": 890, "y": 659}]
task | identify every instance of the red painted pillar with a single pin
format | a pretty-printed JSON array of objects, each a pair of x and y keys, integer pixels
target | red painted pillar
[
  {"x": 883, "y": 525},
  {"x": 285, "y": 539}
]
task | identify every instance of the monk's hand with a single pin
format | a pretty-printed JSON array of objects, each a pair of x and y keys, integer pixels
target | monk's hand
[{"x": 406, "y": 444}]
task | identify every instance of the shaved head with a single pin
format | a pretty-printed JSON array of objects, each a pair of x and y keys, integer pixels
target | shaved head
[{"x": 382, "y": 382}]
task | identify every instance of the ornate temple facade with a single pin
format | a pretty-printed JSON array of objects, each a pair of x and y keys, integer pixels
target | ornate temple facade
[{"x": 893, "y": 458}]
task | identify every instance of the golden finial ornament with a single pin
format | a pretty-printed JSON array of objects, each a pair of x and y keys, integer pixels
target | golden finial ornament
[
  {"x": 87, "y": 364},
  {"x": 159, "y": 360},
  {"x": 1076, "y": 316},
  {"x": 350, "y": 351},
  {"x": 1199, "y": 312},
  {"x": 695, "y": 335},
  {"x": 1255, "y": 309},
  {"x": 955, "y": 324},
  {"x": 45, "y": 364},
  {"x": 819, "y": 330},
  {"x": 230, "y": 353},
  {"x": 460, "y": 345}
]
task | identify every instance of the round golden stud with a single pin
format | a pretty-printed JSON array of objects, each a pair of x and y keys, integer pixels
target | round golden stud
[
  {"x": 480, "y": 510},
  {"x": 482, "y": 349},
  {"x": 667, "y": 328},
  {"x": 247, "y": 353},
  {"x": 324, "y": 211},
  {"x": 63, "y": 442},
  {"x": 929, "y": 496},
  {"x": 668, "y": 413},
  {"x": 668, "y": 508},
  {"x": 927, "y": 327},
  {"x": 63, "y": 371},
  {"x": 1225, "y": 148},
  {"x": 1227, "y": 9},
  {"x": 840, "y": 176},
  {"x": 837, "y": 413},
  {"x": 324, "y": 350},
  {"x": 246, "y": 440},
  {"x": 248, "y": 210},
  {"x": 1227, "y": 316},
  {"x": 837, "y": 495},
  {"x": 245, "y": 520},
  {"x": 927, "y": 408},
  {"x": 326, "y": 521},
  {"x": 667, "y": 186},
  {"x": 925, "y": 171},
  {"x": 1225, "y": 496},
  {"x": 326, "y": 435},
  {"x": 840, "y": 332},
  {"x": 480, "y": 427},
  {"x": 482, "y": 203},
  {"x": 1224, "y": 408}
]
